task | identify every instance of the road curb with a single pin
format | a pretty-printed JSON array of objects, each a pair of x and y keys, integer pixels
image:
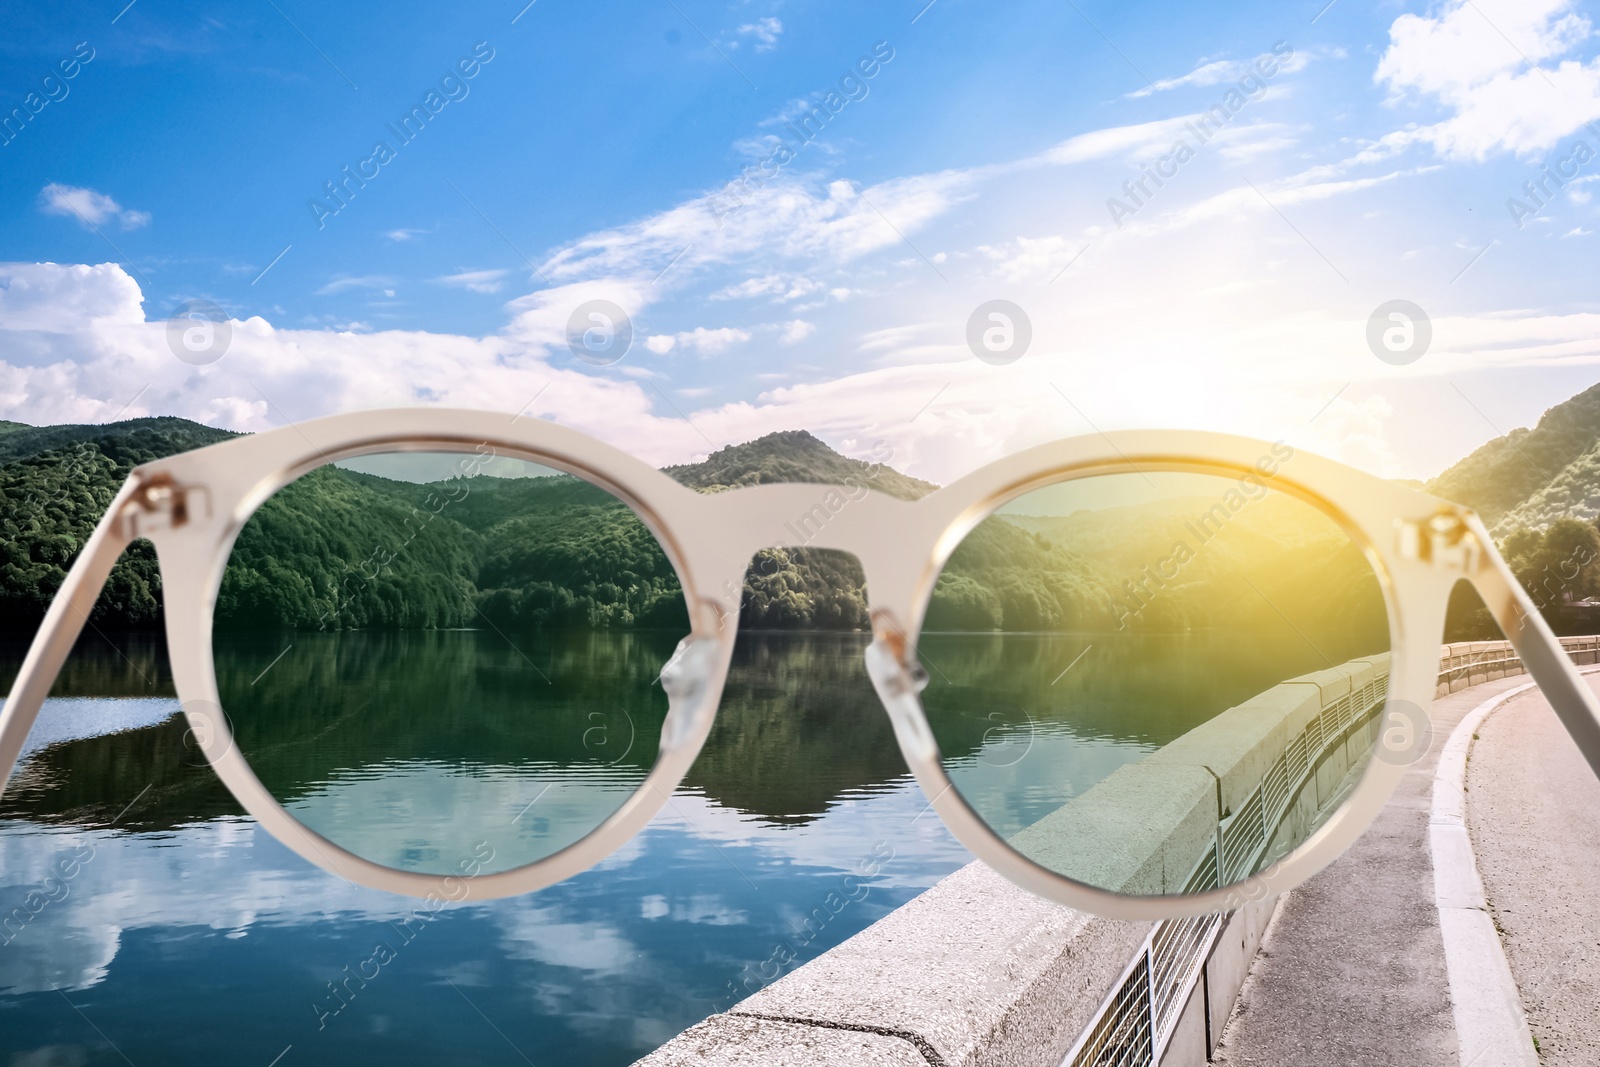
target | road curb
[{"x": 1491, "y": 1027}]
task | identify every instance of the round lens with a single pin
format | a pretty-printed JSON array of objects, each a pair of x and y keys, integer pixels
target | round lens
[
  {"x": 446, "y": 662},
  {"x": 1157, "y": 683}
]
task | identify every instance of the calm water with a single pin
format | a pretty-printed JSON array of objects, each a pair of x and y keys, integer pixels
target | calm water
[{"x": 161, "y": 926}]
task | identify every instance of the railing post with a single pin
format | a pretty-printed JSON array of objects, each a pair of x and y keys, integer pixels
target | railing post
[
  {"x": 1150, "y": 994},
  {"x": 1222, "y": 875}
]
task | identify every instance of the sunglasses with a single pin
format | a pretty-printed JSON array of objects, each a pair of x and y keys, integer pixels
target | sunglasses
[{"x": 1147, "y": 675}]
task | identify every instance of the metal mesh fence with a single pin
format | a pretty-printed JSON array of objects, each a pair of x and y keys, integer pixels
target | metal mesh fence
[{"x": 1138, "y": 1017}]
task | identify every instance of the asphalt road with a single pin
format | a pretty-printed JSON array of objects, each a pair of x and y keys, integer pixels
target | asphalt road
[
  {"x": 1533, "y": 809},
  {"x": 1352, "y": 969}
]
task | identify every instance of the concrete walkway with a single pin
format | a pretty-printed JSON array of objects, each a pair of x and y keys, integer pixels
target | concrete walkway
[
  {"x": 1352, "y": 970},
  {"x": 1533, "y": 809}
]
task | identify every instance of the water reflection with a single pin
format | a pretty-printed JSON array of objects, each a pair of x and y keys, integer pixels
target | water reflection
[
  {"x": 134, "y": 664},
  {"x": 1026, "y": 722},
  {"x": 190, "y": 936},
  {"x": 415, "y": 749},
  {"x": 216, "y": 919}
]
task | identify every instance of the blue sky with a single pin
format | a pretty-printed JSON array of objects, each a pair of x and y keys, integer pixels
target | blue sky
[{"x": 1370, "y": 158}]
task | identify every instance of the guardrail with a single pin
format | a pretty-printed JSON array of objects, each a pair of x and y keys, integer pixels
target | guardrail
[
  {"x": 977, "y": 972},
  {"x": 1139, "y": 1016},
  {"x": 1143, "y": 1010}
]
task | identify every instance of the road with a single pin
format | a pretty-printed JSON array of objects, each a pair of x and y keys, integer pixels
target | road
[
  {"x": 1533, "y": 809},
  {"x": 1352, "y": 969}
]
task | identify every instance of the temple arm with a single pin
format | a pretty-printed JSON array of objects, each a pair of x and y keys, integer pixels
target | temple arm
[
  {"x": 1541, "y": 652},
  {"x": 62, "y": 624}
]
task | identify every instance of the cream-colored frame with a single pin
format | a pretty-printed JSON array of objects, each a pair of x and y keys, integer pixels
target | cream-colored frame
[{"x": 192, "y": 506}]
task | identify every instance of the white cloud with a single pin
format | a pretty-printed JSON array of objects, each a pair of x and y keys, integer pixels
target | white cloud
[
  {"x": 764, "y": 31},
  {"x": 1245, "y": 199},
  {"x": 778, "y": 286},
  {"x": 891, "y": 337},
  {"x": 1353, "y": 430},
  {"x": 835, "y": 222},
  {"x": 1116, "y": 141},
  {"x": 1483, "y": 61},
  {"x": 712, "y": 342},
  {"x": 1034, "y": 259},
  {"x": 78, "y": 348},
  {"x": 1465, "y": 44},
  {"x": 796, "y": 330},
  {"x": 90, "y": 208},
  {"x": 1217, "y": 71},
  {"x": 915, "y": 344},
  {"x": 1204, "y": 73},
  {"x": 47, "y": 298},
  {"x": 1108, "y": 330},
  {"x": 540, "y": 319},
  {"x": 341, "y": 283},
  {"x": 1242, "y": 143},
  {"x": 478, "y": 281},
  {"x": 838, "y": 294},
  {"x": 787, "y": 219},
  {"x": 103, "y": 359},
  {"x": 403, "y": 234}
]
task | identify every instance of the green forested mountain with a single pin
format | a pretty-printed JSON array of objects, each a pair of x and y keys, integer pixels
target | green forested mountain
[
  {"x": 1531, "y": 477},
  {"x": 795, "y": 456},
  {"x": 1538, "y": 491},
  {"x": 306, "y": 560},
  {"x": 800, "y": 587},
  {"x": 342, "y": 549},
  {"x": 55, "y": 484},
  {"x": 132, "y": 442}
]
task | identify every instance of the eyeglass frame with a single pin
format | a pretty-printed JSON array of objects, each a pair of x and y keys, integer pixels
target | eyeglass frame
[{"x": 192, "y": 506}]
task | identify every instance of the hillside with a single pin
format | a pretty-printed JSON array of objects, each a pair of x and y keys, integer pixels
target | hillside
[
  {"x": 55, "y": 484},
  {"x": 793, "y": 456},
  {"x": 135, "y": 440},
  {"x": 344, "y": 549},
  {"x": 1531, "y": 477}
]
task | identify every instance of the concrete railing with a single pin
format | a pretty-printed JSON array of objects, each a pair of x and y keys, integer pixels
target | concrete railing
[
  {"x": 1475, "y": 662},
  {"x": 978, "y": 972},
  {"x": 1276, "y": 761}
]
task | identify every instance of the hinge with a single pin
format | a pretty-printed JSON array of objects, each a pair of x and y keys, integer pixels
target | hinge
[
  {"x": 160, "y": 503},
  {"x": 1445, "y": 540}
]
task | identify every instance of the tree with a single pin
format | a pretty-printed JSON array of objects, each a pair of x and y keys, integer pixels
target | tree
[
  {"x": 1557, "y": 565},
  {"x": 1571, "y": 552},
  {"x": 962, "y": 604}
]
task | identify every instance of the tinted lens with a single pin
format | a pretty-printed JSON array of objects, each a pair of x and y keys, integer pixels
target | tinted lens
[
  {"x": 1128, "y": 669},
  {"x": 445, "y": 661}
]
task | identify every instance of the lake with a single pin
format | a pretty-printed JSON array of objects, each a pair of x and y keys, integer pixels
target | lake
[{"x": 160, "y": 925}]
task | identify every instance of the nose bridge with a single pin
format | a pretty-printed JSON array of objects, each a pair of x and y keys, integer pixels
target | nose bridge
[{"x": 887, "y": 535}]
